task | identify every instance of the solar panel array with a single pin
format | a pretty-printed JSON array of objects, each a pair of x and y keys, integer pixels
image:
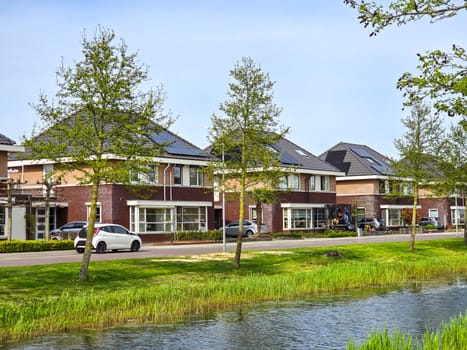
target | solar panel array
[
  {"x": 286, "y": 158},
  {"x": 377, "y": 165},
  {"x": 175, "y": 145}
]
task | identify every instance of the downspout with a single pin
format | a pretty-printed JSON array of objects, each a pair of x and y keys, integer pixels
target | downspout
[
  {"x": 165, "y": 169},
  {"x": 170, "y": 184}
]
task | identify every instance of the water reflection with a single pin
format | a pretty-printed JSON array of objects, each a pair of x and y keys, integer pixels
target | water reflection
[{"x": 316, "y": 323}]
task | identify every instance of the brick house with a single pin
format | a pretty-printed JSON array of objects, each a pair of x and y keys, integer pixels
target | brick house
[
  {"x": 308, "y": 200},
  {"x": 367, "y": 183},
  {"x": 180, "y": 196}
]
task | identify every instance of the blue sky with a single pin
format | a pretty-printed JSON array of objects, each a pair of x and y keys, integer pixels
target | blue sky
[{"x": 333, "y": 81}]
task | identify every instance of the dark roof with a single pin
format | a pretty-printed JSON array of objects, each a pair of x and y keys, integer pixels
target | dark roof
[
  {"x": 294, "y": 155},
  {"x": 357, "y": 160},
  {"x": 174, "y": 145},
  {"x": 6, "y": 141}
]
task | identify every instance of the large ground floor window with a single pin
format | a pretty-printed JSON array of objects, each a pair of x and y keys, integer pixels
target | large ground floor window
[
  {"x": 146, "y": 217},
  {"x": 394, "y": 216},
  {"x": 191, "y": 219},
  {"x": 303, "y": 218},
  {"x": 457, "y": 213}
]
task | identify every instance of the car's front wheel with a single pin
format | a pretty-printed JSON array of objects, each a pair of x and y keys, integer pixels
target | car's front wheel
[
  {"x": 249, "y": 233},
  {"x": 80, "y": 250},
  {"x": 101, "y": 247},
  {"x": 135, "y": 246}
]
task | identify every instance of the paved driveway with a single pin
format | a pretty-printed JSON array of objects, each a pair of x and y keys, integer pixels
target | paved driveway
[{"x": 158, "y": 251}]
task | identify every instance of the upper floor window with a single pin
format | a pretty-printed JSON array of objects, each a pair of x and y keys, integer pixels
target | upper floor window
[
  {"x": 383, "y": 187},
  {"x": 284, "y": 183},
  {"x": 312, "y": 183},
  {"x": 295, "y": 182},
  {"x": 290, "y": 182},
  {"x": 178, "y": 174},
  {"x": 320, "y": 183},
  {"x": 149, "y": 177},
  {"x": 406, "y": 188},
  {"x": 325, "y": 183},
  {"x": 196, "y": 176}
]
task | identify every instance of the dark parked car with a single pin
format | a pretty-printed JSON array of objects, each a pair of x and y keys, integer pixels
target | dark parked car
[
  {"x": 430, "y": 221},
  {"x": 67, "y": 231},
  {"x": 249, "y": 228}
]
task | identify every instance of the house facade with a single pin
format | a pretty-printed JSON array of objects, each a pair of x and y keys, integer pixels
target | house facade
[
  {"x": 11, "y": 209},
  {"x": 367, "y": 184},
  {"x": 178, "y": 195},
  {"x": 308, "y": 197}
]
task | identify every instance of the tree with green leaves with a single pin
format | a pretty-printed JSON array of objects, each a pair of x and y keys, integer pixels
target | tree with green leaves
[
  {"x": 419, "y": 153},
  {"x": 101, "y": 125},
  {"x": 246, "y": 131},
  {"x": 453, "y": 167},
  {"x": 442, "y": 76}
]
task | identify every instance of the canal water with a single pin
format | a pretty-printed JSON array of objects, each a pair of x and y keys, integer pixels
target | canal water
[{"x": 313, "y": 323}]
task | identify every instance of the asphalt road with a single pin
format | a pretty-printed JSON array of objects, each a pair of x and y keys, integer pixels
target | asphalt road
[{"x": 167, "y": 250}]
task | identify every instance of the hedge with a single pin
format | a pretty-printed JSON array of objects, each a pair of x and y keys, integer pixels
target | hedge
[
  {"x": 213, "y": 235},
  {"x": 17, "y": 246}
]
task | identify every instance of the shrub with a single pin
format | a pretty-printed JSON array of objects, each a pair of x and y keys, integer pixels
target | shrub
[
  {"x": 287, "y": 235},
  {"x": 328, "y": 233},
  {"x": 34, "y": 245},
  {"x": 213, "y": 235}
]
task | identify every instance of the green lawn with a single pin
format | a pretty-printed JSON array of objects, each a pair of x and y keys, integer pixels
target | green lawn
[{"x": 50, "y": 298}]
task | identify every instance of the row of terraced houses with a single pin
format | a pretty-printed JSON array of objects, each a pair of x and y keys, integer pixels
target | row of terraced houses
[{"x": 345, "y": 179}]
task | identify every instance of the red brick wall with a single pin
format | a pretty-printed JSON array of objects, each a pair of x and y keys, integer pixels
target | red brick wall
[{"x": 113, "y": 199}]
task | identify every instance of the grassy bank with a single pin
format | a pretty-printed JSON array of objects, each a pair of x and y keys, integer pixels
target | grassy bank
[
  {"x": 451, "y": 335},
  {"x": 46, "y": 299}
]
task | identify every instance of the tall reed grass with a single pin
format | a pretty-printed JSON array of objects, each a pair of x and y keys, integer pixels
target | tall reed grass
[{"x": 451, "y": 336}]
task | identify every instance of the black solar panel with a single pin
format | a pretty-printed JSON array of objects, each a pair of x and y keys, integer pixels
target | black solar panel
[
  {"x": 382, "y": 169},
  {"x": 175, "y": 145},
  {"x": 286, "y": 158},
  {"x": 361, "y": 152},
  {"x": 335, "y": 156}
]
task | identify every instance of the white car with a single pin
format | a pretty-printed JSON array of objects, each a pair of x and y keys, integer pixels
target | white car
[{"x": 108, "y": 237}]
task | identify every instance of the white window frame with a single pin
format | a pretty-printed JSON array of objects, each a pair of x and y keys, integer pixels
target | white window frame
[
  {"x": 312, "y": 183},
  {"x": 289, "y": 218},
  {"x": 98, "y": 212},
  {"x": 196, "y": 176},
  {"x": 180, "y": 177},
  {"x": 150, "y": 178}
]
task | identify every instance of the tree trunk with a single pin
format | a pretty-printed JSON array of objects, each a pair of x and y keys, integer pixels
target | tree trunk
[
  {"x": 238, "y": 250},
  {"x": 414, "y": 219},
  {"x": 259, "y": 217},
  {"x": 83, "y": 274}
]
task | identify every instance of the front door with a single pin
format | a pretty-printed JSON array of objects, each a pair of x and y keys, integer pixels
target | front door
[{"x": 40, "y": 221}]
